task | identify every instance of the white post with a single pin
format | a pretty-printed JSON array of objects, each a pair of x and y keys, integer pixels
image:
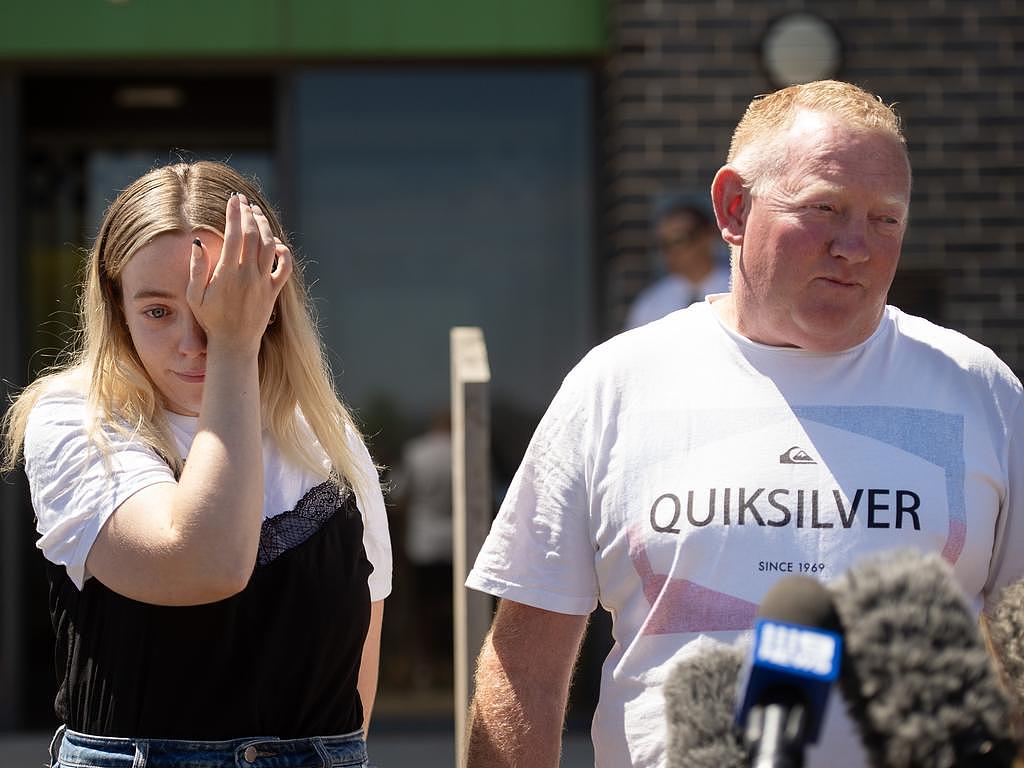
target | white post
[{"x": 471, "y": 509}]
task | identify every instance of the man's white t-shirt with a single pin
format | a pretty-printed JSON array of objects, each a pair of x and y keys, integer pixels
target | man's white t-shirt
[
  {"x": 74, "y": 493},
  {"x": 682, "y": 469}
]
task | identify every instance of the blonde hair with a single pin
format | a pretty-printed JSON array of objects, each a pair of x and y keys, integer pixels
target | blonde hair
[
  {"x": 103, "y": 365},
  {"x": 757, "y": 154}
]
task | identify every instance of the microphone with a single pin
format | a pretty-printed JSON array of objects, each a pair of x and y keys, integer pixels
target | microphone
[
  {"x": 700, "y": 695},
  {"x": 792, "y": 665},
  {"x": 1006, "y": 632},
  {"x": 916, "y": 676}
]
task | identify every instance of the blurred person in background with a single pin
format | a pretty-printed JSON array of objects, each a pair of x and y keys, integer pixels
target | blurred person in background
[
  {"x": 795, "y": 424},
  {"x": 686, "y": 240},
  {"x": 213, "y": 525},
  {"x": 422, "y": 484}
]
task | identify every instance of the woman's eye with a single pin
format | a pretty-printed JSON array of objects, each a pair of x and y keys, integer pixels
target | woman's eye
[
  {"x": 824, "y": 207},
  {"x": 156, "y": 312}
]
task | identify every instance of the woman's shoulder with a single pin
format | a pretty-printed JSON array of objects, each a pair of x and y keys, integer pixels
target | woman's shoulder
[
  {"x": 60, "y": 400},
  {"x": 62, "y": 412},
  {"x": 59, "y": 433},
  {"x": 308, "y": 440}
]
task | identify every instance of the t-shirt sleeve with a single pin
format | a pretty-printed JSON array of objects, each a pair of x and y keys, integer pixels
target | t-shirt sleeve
[
  {"x": 540, "y": 549},
  {"x": 73, "y": 491},
  {"x": 1008, "y": 553},
  {"x": 376, "y": 537}
]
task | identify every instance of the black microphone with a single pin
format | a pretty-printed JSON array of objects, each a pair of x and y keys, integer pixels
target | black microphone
[
  {"x": 916, "y": 676},
  {"x": 1006, "y": 631},
  {"x": 793, "y": 662},
  {"x": 700, "y": 696}
]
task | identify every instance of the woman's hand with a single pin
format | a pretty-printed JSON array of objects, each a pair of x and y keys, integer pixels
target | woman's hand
[
  {"x": 233, "y": 299},
  {"x": 195, "y": 541}
]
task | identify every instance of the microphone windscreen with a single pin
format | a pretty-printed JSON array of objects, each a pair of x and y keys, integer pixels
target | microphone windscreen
[
  {"x": 700, "y": 695},
  {"x": 1006, "y": 631},
  {"x": 916, "y": 675},
  {"x": 800, "y": 600}
]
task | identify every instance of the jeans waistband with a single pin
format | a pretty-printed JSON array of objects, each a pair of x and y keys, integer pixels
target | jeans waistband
[{"x": 79, "y": 749}]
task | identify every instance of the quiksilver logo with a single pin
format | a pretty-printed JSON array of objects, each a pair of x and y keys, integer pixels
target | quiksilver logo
[{"x": 796, "y": 455}]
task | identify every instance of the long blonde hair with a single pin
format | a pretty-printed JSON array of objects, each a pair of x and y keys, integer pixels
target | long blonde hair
[{"x": 294, "y": 373}]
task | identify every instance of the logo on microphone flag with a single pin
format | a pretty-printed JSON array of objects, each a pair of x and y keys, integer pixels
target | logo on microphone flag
[
  {"x": 798, "y": 650},
  {"x": 791, "y": 657}
]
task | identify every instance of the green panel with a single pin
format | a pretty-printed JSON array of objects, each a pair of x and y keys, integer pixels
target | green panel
[
  {"x": 450, "y": 27},
  {"x": 296, "y": 28},
  {"x": 139, "y": 28}
]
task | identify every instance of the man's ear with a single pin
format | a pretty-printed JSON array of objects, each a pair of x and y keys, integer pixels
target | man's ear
[{"x": 732, "y": 202}]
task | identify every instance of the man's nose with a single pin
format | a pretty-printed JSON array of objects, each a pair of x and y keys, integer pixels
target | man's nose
[{"x": 850, "y": 240}]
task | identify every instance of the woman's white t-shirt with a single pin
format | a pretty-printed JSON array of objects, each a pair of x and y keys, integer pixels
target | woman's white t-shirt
[{"x": 74, "y": 492}]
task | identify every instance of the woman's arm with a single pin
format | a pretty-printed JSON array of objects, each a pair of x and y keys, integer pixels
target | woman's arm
[
  {"x": 195, "y": 541},
  {"x": 370, "y": 664}
]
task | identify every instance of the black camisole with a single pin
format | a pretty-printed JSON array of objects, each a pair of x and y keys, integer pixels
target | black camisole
[{"x": 280, "y": 658}]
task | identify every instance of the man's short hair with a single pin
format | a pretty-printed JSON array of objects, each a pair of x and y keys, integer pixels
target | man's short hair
[{"x": 755, "y": 151}]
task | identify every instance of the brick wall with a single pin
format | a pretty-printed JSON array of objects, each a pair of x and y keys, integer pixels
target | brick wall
[{"x": 681, "y": 72}]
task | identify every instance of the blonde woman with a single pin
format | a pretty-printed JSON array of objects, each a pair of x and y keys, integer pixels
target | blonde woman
[{"x": 214, "y": 531}]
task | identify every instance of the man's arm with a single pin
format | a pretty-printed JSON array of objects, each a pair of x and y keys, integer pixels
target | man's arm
[{"x": 522, "y": 683}]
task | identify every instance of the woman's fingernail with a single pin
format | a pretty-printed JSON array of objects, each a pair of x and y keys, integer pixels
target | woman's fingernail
[
  {"x": 232, "y": 194},
  {"x": 198, "y": 242}
]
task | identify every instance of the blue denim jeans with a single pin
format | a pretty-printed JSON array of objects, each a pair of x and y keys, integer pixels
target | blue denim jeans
[{"x": 77, "y": 750}]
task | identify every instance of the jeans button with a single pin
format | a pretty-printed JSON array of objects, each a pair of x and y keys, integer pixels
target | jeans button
[{"x": 250, "y": 754}]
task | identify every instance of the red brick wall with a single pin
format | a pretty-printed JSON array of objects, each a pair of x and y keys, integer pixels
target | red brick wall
[{"x": 681, "y": 72}]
